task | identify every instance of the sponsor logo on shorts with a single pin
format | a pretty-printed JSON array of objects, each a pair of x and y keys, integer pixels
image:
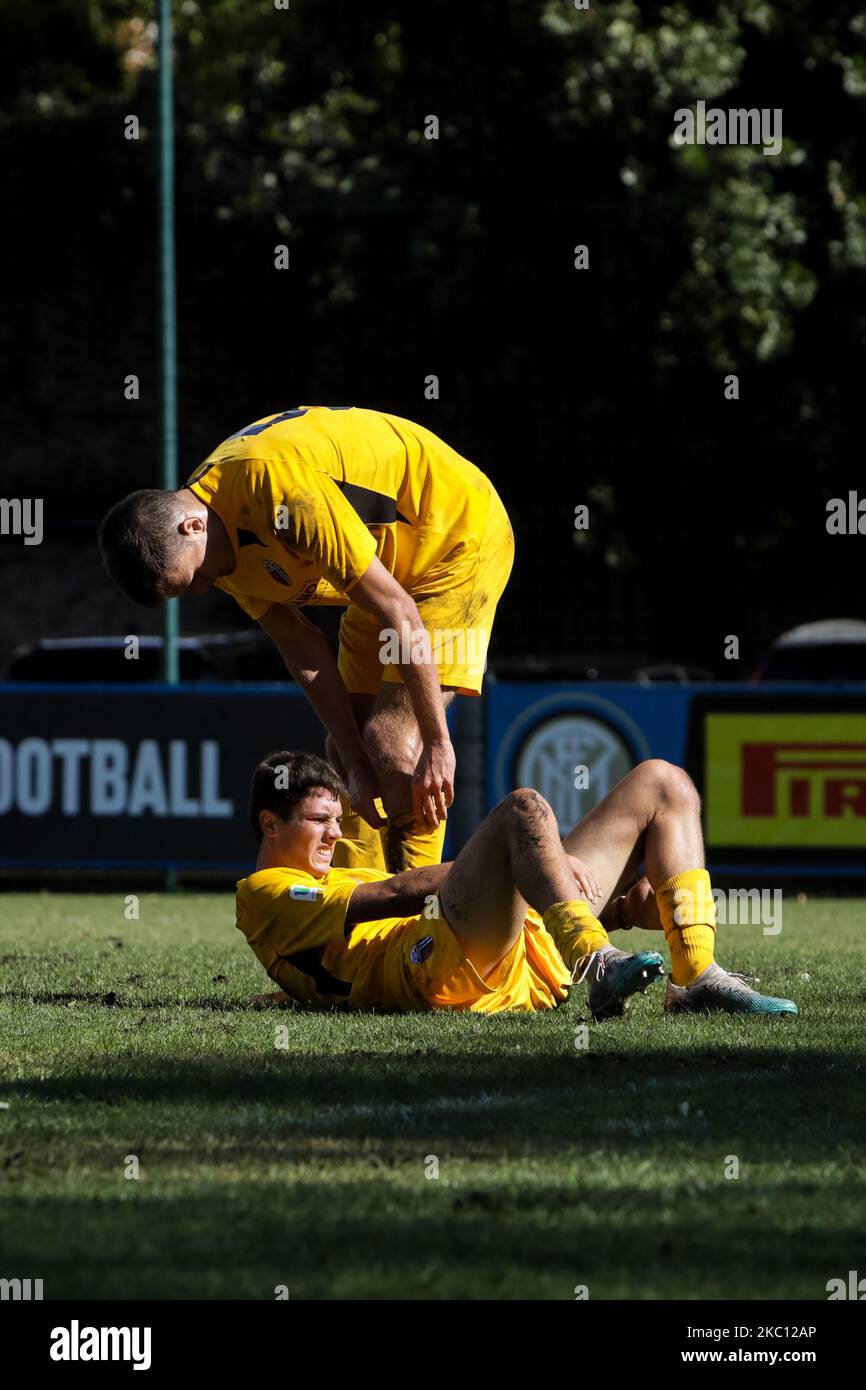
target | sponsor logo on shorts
[
  {"x": 305, "y": 893},
  {"x": 422, "y": 950}
]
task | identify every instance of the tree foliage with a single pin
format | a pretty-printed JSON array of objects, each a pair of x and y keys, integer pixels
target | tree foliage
[{"x": 455, "y": 256}]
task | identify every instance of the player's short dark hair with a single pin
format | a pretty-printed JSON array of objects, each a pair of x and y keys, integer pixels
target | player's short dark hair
[
  {"x": 301, "y": 774},
  {"x": 139, "y": 542}
]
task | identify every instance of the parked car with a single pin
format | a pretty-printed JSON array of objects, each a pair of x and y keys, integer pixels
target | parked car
[
  {"x": 833, "y": 650},
  {"x": 584, "y": 666},
  {"x": 223, "y": 656}
]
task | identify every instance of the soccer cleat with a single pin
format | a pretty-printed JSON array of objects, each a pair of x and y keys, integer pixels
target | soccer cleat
[
  {"x": 613, "y": 976},
  {"x": 722, "y": 991}
]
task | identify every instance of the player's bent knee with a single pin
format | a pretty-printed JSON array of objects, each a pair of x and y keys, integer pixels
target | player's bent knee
[
  {"x": 682, "y": 790},
  {"x": 393, "y": 748},
  {"x": 526, "y": 804},
  {"x": 671, "y": 784}
]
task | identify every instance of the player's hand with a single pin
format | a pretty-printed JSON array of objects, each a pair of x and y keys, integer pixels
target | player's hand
[
  {"x": 363, "y": 788},
  {"x": 585, "y": 878},
  {"x": 433, "y": 782}
]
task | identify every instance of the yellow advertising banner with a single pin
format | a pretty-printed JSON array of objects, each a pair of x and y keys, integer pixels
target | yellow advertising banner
[{"x": 785, "y": 779}]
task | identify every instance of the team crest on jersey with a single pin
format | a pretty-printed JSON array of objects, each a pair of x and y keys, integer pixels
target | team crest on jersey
[
  {"x": 305, "y": 893},
  {"x": 421, "y": 950},
  {"x": 276, "y": 572}
]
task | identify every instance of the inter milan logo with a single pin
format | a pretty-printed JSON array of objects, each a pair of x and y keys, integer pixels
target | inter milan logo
[
  {"x": 559, "y": 745},
  {"x": 276, "y": 573}
]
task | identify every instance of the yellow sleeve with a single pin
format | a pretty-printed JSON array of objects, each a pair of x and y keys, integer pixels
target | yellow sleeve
[
  {"x": 310, "y": 916},
  {"x": 312, "y": 517}
]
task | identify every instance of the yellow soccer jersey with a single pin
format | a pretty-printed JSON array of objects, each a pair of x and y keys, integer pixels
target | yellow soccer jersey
[
  {"x": 310, "y": 495},
  {"x": 296, "y": 925}
]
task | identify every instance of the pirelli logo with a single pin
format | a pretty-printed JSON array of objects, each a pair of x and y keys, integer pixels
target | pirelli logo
[
  {"x": 786, "y": 779},
  {"x": 825, "y": 779}
]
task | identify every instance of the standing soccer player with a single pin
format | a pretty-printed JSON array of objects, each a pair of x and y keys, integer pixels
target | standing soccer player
[{"x": 322, "y": 505}]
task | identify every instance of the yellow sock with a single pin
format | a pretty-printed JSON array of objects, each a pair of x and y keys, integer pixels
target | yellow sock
[
  {"x": 408, "y": 845},
  {"x": 574, "y": 929},
  {"x": 361, "y": 845},
  {"x": 688, "y": 916}
]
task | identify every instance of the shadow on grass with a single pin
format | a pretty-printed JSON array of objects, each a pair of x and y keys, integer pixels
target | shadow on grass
[
  {"x": 353, "y": 1239},
  {"x": 779, "y": 1095}
]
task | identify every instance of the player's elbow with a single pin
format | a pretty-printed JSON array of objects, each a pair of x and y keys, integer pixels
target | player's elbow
[{"x": 400, "y": 611}]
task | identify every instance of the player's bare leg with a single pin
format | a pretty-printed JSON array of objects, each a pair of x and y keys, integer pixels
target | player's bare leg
[
  {"x": 514, "y": 859},
  {"x": 653, "y": 815},
  {"x": 393, "y": 740},
  {"x": 362, "y": 706},
  {"x": 632, "y": 905},
  {"x": 361, "y": 845},
  {"x": 656, "y": 811}
]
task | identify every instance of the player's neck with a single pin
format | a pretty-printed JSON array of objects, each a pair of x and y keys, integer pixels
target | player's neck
[{"x": 219, "y": 558}]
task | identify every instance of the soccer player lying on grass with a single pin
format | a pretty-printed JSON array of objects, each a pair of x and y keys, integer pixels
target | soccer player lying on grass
[{"x": 510, "y": 924}]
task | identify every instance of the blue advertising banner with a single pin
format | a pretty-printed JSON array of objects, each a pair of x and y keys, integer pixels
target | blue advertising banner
[
  {"x": 118, "y": 777},
  {"x": 104, "y": 777},
  {"x": 781, "y": 768},
  {"x": 131, "y": 776}
]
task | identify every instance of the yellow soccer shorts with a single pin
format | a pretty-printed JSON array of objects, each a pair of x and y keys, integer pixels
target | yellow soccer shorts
[
  {"x": 456, "y": 600},
  {"x": 424, "y": 967}
]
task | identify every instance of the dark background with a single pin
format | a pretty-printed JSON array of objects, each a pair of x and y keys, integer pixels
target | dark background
[{"x": 454, "y": 257}]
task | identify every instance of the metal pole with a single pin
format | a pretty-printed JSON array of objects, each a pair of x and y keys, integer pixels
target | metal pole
[
  {"x": 168, "y": 300},
  {"x": 168, "y": 324}
]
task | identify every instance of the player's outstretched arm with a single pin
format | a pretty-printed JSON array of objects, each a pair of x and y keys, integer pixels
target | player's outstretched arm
[{"x": 310, "y": 660}]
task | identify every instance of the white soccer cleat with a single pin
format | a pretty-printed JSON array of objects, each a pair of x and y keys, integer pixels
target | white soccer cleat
[{"x": 722, "y": 991}]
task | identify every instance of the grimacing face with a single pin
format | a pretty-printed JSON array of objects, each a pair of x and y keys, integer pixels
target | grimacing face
[{"x": 307, "y": 839}]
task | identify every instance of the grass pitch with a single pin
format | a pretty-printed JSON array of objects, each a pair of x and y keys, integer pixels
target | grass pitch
[{"x": 311, "y": 1165}]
